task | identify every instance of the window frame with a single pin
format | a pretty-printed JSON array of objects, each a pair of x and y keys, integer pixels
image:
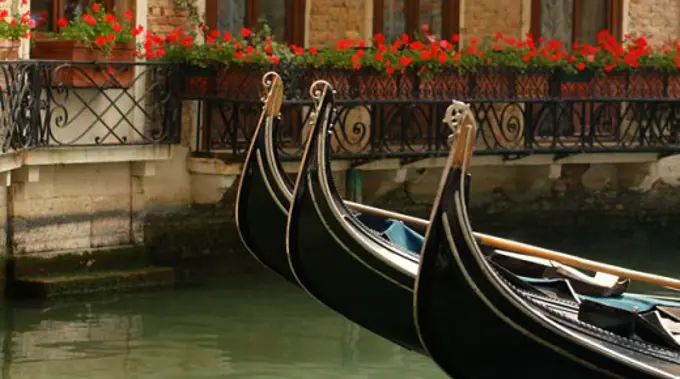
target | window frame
[
  {"x": 450, "y": 17},
  {"x": 295, "y": 18},
  {"x": 614, "y": 19}
]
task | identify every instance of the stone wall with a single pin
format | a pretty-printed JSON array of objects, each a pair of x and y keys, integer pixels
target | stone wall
[
  {"x": 333, "y": 19},
  {"x": 656, "y": 19},
  {"x": 483, "y": 18},
  {"x": 197, "y": 238},
  {"x": 62, "y": 211},
  {"x": 164, "y": 16}
]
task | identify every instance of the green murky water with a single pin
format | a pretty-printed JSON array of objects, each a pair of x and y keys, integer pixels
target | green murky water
[
  {"x": 256, "y": 328},
  {"x": 260, "y": 327}
]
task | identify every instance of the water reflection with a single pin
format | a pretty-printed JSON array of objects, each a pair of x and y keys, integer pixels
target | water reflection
[{"x": 265, "y": 329}]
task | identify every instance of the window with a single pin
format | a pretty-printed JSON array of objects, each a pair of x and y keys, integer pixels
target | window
[
  {"x": 396, "y": 17},
  {"x": 45, "y": 13},
  {"x": 575, "y": 20},
  {"x": 285, "y": 17}
]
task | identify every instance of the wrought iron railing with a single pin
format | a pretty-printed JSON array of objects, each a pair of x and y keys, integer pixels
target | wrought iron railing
[
  {"x": 400, "y": 116},
  {"x": 52, "y": 103}
]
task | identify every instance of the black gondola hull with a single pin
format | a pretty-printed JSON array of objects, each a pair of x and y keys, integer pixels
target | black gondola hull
[
  {"x": 337, "y": 260},
  {"x": 262, "y": 206},
  {"x": 345, "y": 278},
  {"x": 464, "y": 314}
]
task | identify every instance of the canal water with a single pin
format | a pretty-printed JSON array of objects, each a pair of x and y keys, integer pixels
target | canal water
[
  {"x": 256, "y": 327},
  {"x": 247, "y": 327}
]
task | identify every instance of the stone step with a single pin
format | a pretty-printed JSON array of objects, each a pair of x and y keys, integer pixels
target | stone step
[
  {"x": 94, "y": 282},
  {"x": 68, "y": 262}
]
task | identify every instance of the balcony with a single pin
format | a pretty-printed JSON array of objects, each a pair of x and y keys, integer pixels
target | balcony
[
  {"x": 50, "y": 104},
  {"x": 399, "y": 116}
]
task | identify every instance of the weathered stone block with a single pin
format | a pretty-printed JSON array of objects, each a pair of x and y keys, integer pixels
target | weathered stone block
[
  {"x": 110, "y": 220},
  {"x": 52, "y": 224}
]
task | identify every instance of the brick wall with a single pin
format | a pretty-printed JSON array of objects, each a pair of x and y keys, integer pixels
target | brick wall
[
  {"x": 657, "y": 19},
  {"x": 483, "y": 18},
  {"x": 163, "y": 17},
  {"x": 333, "y": 19}
]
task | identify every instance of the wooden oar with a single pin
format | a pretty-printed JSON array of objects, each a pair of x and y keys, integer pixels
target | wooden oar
[
  {"x": 577, "y": 262},
  {"x": 462, "y": 158},
  {"x": 414, "y": 221}
]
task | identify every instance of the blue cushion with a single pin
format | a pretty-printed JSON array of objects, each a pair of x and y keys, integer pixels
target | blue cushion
[{"x": 395, "y": 231}]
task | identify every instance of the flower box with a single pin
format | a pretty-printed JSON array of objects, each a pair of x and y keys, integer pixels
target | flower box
[
  {"x": 532, "y": 85},
  {"x": 445, "y": 85},
  {"x": 343, "y": 82},
  {"x": 82, "y": 66},
  {"x": 199, "y": 81},
  {"x": 242, "y": 82},
  {"x": 369, "y": 84},
  {"x": 628, "y": 85}
]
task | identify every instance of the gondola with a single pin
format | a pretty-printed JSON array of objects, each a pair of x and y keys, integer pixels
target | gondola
[
  {"x": 339, "y": 259},
  {"x": 264, "y": 190},
  {"x": 477, "y": 320}
]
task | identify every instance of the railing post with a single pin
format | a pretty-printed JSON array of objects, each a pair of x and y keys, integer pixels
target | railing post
[
  {"x": 36, "y": 125},
  {"x": 177, "y": 84}
]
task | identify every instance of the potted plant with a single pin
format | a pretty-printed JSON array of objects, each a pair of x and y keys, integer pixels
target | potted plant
[
  {"x": 91, "y": 38},
  {"x": 11, "y": 33},
  {"x": 223, "y": 65},
  {"x": 180, "y": 46}
]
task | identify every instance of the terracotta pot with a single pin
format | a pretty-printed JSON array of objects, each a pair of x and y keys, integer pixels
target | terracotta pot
[
  {"x": 445, "y": 85},
  {"x": 532, "y": 85},
  {"x": 576, "y": 85},
  {"x": 9, "y": 50},
  {"x": 342, "y": 81},
  {"x": 86, "y": 75},
  {"x": 644, "y": 84},
  {"x": 243, "y": 82},
  {"x": 674, "y": 86},
  {"x": 373, "y": 85},
  {"x": 586, "y": 85},
  {"x": 490, "y": 84},
  {"x": 654, "y": 84},
  {"x": 199, "y": 81}
]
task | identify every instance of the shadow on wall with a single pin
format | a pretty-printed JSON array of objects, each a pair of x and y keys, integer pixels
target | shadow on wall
[{"x": 198, "y": 239}]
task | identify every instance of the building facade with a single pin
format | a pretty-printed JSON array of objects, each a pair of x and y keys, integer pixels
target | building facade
[{"x": 312, "y": 23}]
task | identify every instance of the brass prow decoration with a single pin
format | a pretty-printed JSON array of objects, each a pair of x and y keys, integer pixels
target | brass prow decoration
[
  {"x": 460, "y": 119},
  {"x": 274, "y": 98}
]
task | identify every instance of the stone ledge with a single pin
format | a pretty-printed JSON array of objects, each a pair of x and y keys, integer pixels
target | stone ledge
[
  {"x": 212, "y": 177},
  {"x": 24, "y": 166},
  {"x": 212, "y": 166},
  {"x": 97, "y": 154},
  {"x": 217, "y": 166},
  {"x": 85, "y": 154},
  {"x": 95, "y": 282}
]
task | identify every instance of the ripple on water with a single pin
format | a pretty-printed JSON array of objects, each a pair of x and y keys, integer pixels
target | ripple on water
[{"x": 266, "y": 329}]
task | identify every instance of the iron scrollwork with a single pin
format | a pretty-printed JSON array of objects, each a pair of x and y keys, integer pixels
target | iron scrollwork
[{"x": 536, "y": 112}]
